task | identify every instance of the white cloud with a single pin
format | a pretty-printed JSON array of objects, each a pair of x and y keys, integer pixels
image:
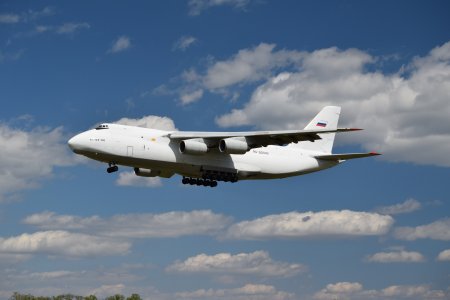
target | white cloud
[
  {"x": 130, "y": 179},
  {"x": 412, "y": 291},
  {"x": 12, "y": 18},
  {"x": 50, "y": 220},
  {"x": 121, "y": 44},
  {"x": 62, "y": 243},
  {"x": 408, "y": 206},
  {"x": 184, "y": 42},
  {"x": 196, "y": 7},
  {"x": 248, "y": 291},
  {"x": 43, "y": 28},
  {"x": 444, "y": 255},
  {"x": 403, "y": 113},
  {"x": 154, "y": 122},
  {"x": 345, "y": 287},
  {"x": 28, "y": 157},
  {"x": 255, "y": 263},
  {"x": 43, "y": 276},
  {"x": 95, "y": 280},
  {"x": 189, "y": 97},
  {"x": 108, "y": 290},
  {"x": 69, "y": 28},
  {"x": 45, "y": 12},
  {"x": 355, "y": 290},
  {"x": 312, "y": 224},
  {"x": 396, "y": 256},
  {"x": 170, "y": 224},
  {"x": 438, "y": 230},
  {"x": 9, "y": 18},
  {"x": 248, "y": 65}
]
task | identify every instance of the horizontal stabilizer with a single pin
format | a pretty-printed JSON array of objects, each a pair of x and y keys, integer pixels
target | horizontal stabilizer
[{"x": 345, "y": 156}]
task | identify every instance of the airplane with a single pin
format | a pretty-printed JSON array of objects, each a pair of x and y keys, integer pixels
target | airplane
[{"x": 204, "y": 158}]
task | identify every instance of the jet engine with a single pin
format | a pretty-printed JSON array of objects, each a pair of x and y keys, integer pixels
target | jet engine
[
  {"x": 233, "y": 146},
  {"x": 146, "y": 172},
  {"x": 193, "y": 147}
]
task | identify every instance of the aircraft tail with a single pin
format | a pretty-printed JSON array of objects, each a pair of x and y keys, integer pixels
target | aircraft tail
[{"x": 327, "y": 118}]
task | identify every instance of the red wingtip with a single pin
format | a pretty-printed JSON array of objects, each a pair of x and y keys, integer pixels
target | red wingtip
[
  {"x": 356, "y": 129},
  {"x": 374, "y": 153}
]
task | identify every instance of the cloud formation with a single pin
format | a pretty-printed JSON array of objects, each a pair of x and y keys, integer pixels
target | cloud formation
[
  {"x": 130, "y": 179},
  {"x": 248, "y": 291},
  {"x": 62, "y": 243},
  {"x": 196, "y": 7},
  {"x": 70, "y": 28},
  {"x": 444, "y": 255},
  {"x": 187, "y": 97},
  {"x": 154, "y": 122},
  {"x": 408, "y": 206},
  {"x": 28, "y": 157},
  {"x": 145, "y": 225},
  {"x": 9, "y": 18},
  {"x": 256, "y": 263},
  {"x": 184, "y": 42},
  {"x": 403, "y": 113},
  {"x": 99, "y": 280},
  {"x": 438, "y": 230},
  {"x": 245, "y": 67},
  {"x": 396, "y": 256},
  {"x": 121, "y": 44},
  {"x": 355, "y": 291},
  {"x": 30, "y": 15},
  {"x": 248, "y": 65},
  {"x": 312, "y": 224}
]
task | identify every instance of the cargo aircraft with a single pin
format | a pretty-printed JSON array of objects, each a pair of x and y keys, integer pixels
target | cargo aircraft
[{"x": 204, "y": 158}]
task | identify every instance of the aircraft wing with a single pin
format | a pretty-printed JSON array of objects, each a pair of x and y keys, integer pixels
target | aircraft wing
[
  {"x": 345, "y": 156},
  {"x": 257, "y": 139}
]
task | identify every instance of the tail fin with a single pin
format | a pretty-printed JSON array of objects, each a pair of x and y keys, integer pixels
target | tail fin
[{"x": 327, "y": 118}]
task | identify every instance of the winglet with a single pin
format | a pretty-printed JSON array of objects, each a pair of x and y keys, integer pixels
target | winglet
[{"x": 373, "y": 153}]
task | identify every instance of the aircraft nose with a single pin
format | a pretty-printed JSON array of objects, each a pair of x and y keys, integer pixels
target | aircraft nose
[{"x": 74, "y": 143}]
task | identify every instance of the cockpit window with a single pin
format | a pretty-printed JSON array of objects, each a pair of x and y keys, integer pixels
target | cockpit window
[{"x": 101, "y": 126}]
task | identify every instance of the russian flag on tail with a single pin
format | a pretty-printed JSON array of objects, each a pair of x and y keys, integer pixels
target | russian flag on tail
[{"x": 321, "y": 124}]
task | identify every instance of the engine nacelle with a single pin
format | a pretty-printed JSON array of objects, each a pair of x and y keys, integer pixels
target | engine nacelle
[
  {"x": 193, "y": 147},
  {"x": 146, "y": 172},
  {"x": 233, "y": 146}
]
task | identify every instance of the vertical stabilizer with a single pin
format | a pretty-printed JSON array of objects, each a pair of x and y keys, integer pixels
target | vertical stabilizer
[{"x": 327, "y": 118}]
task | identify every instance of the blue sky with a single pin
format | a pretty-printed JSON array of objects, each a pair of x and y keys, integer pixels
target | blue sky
[{"x": 377, "y": 228}]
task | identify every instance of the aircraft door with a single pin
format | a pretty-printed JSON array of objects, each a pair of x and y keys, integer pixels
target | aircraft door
[{"x": 130, "y": 151}]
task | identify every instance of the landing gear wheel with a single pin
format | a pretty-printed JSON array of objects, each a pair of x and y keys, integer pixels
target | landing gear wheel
[
  {"x": 185, "y": 180},
  {"x": 112, "y": 169},
  {"x": 213, "y": 184}
]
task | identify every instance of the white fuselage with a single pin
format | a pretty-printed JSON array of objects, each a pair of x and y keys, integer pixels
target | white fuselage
[{"x": 153, "y": 150}]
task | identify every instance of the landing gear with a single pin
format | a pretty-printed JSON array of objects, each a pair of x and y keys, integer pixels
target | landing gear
[
  {"x": 112, "y": 168},
  {"x": 199, "y": 182},
  {"x": 220, "y": 176}
]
